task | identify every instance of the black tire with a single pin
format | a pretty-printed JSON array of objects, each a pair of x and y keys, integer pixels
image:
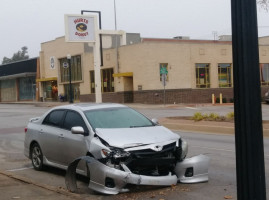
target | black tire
[{"x": 37, "y": 157}]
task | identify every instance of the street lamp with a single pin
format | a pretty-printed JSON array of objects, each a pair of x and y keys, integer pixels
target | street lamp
[{"x": 70, "y": 85}]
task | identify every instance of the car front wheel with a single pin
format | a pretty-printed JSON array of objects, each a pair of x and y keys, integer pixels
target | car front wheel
[{"x": 37, "y": 157}]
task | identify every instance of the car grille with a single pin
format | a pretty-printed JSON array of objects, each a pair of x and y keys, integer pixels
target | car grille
[
  {"x": 147, "y": 161},
  {"x": 148, "y": 153}
]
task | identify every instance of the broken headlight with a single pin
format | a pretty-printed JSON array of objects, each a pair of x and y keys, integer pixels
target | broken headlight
[
  {"x": 118, "y": 153},
  {"x": 181, "y": 150},
  {"x": 184, "y": 147},
  {"x": 115, "y": 155}
]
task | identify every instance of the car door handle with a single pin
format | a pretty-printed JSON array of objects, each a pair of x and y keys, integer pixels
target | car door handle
[
  {"x": 61, "y": 136},
  {"x": 41, "y": 131}
]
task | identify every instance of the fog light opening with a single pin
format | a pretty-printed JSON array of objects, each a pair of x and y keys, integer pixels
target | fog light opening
[
  {"x": 189, "y": 172},
  {"x": 109, "y": 182}
]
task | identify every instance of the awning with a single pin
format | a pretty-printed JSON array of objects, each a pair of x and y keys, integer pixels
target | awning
[
  {"x": 125, "y": 74},
  {"x": 46, "y": 79},
  {"x": 21, "y": 75}
]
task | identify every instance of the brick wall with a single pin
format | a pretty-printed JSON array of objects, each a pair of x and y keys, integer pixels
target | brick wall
[
  {"x": 113, "y": 97},
  {"x": 171, "y": 96},
  {"x": 181, "y": 96}
]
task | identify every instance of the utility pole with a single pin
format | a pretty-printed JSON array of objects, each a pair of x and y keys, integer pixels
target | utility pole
[
  {"x": 70, "y": 78},
  {"x": 250, "y": 170}
]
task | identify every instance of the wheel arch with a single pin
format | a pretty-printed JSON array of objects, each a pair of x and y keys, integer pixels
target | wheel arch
[{"x": 31, "y": 147}]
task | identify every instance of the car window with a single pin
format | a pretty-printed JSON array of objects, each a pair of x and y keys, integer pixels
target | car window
[
  {"x": 74, "y": 119},
  {"x": 54, "y": 118},
  {"x": 116, "y": 118}
]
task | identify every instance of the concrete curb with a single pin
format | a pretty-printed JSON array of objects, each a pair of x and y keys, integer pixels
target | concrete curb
[
  {"x": 61, "y": 191},
  {"x": 209, "y": 128}
]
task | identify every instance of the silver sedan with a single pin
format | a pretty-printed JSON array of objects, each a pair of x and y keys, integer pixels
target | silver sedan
[{"x": 118, "y": 144}]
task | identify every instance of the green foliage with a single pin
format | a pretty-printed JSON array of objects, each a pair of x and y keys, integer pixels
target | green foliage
[
  {"x": 230, "y": 115},
  {"x": 231, "y": 100},
  {"x": 197, "y": 116},
  {"x": 20, "y": 55},
  {"x": 217, "y": 100},
  {"x": 212, "y": 117},
  {"x": 224, "y": 100}
]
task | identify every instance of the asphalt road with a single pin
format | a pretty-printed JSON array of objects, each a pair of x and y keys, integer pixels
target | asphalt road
[{"x": 220, "y": 148}]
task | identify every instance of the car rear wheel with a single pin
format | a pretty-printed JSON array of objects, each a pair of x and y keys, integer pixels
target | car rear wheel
[{"x": 37, "y": 157}]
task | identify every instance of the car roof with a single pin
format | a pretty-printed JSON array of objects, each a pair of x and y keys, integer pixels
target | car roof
[{"x": 89, "y": 106}]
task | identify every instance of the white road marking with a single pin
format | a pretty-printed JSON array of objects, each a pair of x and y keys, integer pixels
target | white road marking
[
  {"x": 20, "y": 169},
  {"x": 192, "y": 108}
]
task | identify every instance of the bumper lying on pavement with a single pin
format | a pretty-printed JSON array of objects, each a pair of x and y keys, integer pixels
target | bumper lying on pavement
[{"x": 109, "y": 180}]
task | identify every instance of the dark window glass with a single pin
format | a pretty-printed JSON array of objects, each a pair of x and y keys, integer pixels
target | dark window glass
[
  {"x": 264, "y": 72},
  {"x": 54, "y": 118},
  {"x": 92, "y": 82},
  {"x": 74, "y": 119},
  {"x": 107, "y": 80},
  {"x": 202, "y": 75},
  {"x": 224, "y": 75},
  {"x": 76, "y": 72}
]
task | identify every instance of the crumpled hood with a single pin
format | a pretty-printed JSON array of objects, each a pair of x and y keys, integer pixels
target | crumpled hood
[{"x": 130, "y": 137}]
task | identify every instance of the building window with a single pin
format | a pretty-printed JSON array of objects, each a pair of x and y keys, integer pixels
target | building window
[
  {"x": 264, "y": 70},
  {"x": 202, "y": 75},
  {"x": 163, "y": 69},
  {"x": 107, "y": 80},
  {"x": 92, "y": 82},
  {"x": 76, "y": 74},
  {"x": 50, "y": 90},
  {"x": 224, "y": 73},
  {"x": 75, "y": 91}
]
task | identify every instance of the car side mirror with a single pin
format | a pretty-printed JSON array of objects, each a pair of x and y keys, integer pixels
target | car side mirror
[
  {"x": 155, "y": 121},
  {"x": 77, "y": 130}
]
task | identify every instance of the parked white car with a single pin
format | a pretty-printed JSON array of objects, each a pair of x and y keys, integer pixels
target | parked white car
[{"x": 119, "y": 145}]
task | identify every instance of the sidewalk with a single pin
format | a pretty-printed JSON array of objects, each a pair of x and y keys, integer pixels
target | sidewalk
[{"x": 16, "y": 187}]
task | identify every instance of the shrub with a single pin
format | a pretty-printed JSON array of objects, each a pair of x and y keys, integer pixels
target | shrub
[
  {"x": 205, "y": 116},
  {"x": 224, "y": 100},
  {"x": 231, "y": 100},
  {"x": 217, "y": 100},
  {"x": 230, "y": 115},
  {"x": 213, "y": 116},
  {"x": 197, "y": 116}
]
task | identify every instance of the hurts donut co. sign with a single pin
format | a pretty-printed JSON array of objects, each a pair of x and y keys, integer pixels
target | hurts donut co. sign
[{"x": 80, "y": 28}]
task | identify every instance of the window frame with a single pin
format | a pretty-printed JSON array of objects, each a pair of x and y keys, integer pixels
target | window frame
[
  {"x": 86, "y": 130},
  {"x": 228, "y": 74},
  {"x": 76, "y": 69},
  {"x": 110, "y": 87},
  {"x": 262, "y": 81},
  {"x": 44, "y": 122},
  {"x": 206, "y": 83}
]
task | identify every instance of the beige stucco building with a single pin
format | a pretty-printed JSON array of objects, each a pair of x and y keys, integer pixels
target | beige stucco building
[{"x": 193, "y": 69}]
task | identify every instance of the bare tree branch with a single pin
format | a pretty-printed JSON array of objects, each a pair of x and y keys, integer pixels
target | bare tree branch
[{"x": 263, "y": 4}]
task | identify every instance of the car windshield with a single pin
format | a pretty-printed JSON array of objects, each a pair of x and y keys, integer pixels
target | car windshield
[{"x": 117, "y": 118}]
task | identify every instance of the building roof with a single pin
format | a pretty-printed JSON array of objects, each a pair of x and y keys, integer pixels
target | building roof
[{"x": 20, "y": 67}]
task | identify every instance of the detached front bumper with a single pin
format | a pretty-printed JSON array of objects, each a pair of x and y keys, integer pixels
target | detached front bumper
[
  {"x": 109, "y": 180},
  {"x": 193, "y": 170}
]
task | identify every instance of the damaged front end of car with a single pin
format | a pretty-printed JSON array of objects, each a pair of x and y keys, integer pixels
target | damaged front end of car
[{"x": 159, "y": 164}]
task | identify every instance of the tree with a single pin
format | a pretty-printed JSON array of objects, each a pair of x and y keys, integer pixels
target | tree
[
  {"x": 263, "y": 4},
  {"x": 20, "y": 55}
]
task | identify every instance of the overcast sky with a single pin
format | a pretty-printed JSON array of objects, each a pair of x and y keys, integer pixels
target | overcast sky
[{"x": 31, "y": 22}]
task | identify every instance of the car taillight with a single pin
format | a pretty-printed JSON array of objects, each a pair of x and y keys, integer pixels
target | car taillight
[{"x": 25, "y": 129}]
